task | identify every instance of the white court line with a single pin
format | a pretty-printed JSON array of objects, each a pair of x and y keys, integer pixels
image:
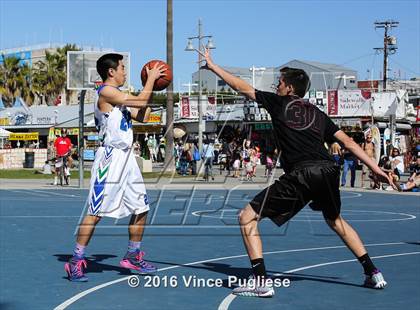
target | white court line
[
  {"x": 224, "y": 305},
  {"x": 52, "y": 193},
  {"x": 408, "y": 216},
  {"x": 39, "y": 216},
  {"x": 82, "y": 294},
  {"x": 45, "y": 194},
  {"x": 26, "y": 192},
  {"x": 198, "y": 214}
]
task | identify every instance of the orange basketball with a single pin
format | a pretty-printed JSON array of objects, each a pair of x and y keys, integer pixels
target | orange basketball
[{"x": 163, "y": 81}]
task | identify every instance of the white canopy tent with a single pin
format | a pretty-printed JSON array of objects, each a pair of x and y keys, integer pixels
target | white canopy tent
[{"x": 4, "y": 135}]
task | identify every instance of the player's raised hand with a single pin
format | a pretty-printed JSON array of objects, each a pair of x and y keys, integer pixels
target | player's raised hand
[
  {"x": 156, "y": 72},
  {"x": 209, "y": 61}
]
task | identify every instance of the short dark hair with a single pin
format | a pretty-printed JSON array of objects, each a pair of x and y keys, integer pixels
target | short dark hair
[
  {"x": 106, "y": 62},
  {"x": 297, "y": 78}
]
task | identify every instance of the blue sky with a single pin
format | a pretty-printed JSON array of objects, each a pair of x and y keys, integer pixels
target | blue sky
[{"x": 246, "y": 33}]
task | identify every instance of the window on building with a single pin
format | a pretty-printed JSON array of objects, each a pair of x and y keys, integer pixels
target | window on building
[{"x": 221, "y": 83}]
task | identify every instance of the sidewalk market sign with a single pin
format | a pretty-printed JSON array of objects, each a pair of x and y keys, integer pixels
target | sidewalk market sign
[
  {"x": 189, "y": 107},
  {"x": 359, "y": 103},
  {"x": 24, "y": 136},
  {"x": 349, "y": 103}
]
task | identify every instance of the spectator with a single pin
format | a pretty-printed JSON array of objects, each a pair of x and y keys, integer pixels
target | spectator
[
  {"x": 63, "y": 147},
  {"x": 50, "y": 151},
  {"x": 335, "y": 151},
  {"x": 222, "y": 160},
  {"x": 236, "y": 166},
  {"x": 136, "y": 148},
  {"x": 386, "y": 165},
  {"x": 369, "y": 148},
  {"x": 195, "y": 158},
  {"x": 208, "y": 156},
  {"x": 161, "y": 150},
  {"x": 254, "y": 160},
  {"x": 46, "y": 169},
  {"x": 217, "y": 149},
  {"x": 249, "y": 168},
  {"x": 397, "y": 162},
  {"x": 349, "y": 164},
  {"x": 414, "y": 179},
  {"x": 185, "y": 158},
  {"x": 388, "y": 147},
  {"x": 269, "y": 165},
  {"x": 151, "y": 145}
]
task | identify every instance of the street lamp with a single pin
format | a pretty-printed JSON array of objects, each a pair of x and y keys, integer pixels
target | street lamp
[{"x": 190, "y": 47}]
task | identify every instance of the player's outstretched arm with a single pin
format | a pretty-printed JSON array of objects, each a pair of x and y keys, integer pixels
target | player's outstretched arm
[
  {"x": 141, "y": 115},
  {"x": 114, "y": 96},
  {"x": 236, "y": 83},
  {"x": 360, "y": 154}
]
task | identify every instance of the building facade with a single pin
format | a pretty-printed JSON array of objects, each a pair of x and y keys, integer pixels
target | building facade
[{"x": 323, "y": 76}]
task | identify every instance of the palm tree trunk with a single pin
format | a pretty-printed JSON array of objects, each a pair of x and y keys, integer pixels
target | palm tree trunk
[{"x": 169, "y": 158}]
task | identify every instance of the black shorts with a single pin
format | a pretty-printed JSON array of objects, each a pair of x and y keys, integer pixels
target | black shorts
[{"x": 316, "y": 180}]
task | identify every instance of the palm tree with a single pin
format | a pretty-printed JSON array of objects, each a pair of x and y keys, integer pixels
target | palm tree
[
  {"x": 169, "y": 162},
  {"x": 14, "y": 80},
  {"x": 26, "y": 92},
  {"x": 49, "y": 76},
  {"x": 62, "y": 52}
]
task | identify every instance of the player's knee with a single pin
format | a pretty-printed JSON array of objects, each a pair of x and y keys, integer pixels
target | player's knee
[
  {"x": 333, "y": 222},
  {"x": 95, "y": 219},
  {"x": 247, "y": 215}
]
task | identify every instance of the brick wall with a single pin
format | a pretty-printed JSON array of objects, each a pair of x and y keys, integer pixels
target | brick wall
[{"x": 15, "y": 158}]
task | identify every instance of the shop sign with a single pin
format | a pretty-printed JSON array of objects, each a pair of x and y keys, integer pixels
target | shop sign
[{"x": 24, "y": 136}]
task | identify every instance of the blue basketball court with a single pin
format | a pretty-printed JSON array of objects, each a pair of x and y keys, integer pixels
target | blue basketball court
[{"x": 194, "y": 239}]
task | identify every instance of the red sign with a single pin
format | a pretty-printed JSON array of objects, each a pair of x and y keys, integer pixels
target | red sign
[
  {"x": 185, "y": 107},
  {"x": 332, "y": 102},
  {"x": 369, "y": 85}
]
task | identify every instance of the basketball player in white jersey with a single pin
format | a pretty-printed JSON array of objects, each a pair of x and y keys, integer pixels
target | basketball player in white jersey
[{"x": 116, "y": 188}]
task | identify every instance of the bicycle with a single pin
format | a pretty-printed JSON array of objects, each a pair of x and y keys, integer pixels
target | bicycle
[{"x": 62, "y": 169}]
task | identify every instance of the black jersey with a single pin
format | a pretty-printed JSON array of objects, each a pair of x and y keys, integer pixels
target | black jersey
[{"x": 300, "y": 128}]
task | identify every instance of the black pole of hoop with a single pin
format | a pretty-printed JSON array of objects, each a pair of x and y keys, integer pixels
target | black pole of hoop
[{"x": 81, "y": 134}]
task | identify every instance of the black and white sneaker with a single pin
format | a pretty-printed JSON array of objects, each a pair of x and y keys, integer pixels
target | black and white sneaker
[{"x": 375, "y": 280}]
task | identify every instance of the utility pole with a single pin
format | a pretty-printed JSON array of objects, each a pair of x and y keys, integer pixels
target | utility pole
[
  {"x": 390, "y": 47},
  {"x": 169, "y": 147}
]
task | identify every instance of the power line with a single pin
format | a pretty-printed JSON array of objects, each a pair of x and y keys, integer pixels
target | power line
[{"x": 404, "y": 67}]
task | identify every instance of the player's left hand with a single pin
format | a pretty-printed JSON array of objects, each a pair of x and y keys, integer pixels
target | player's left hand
[{"x": 209, "y": 61}]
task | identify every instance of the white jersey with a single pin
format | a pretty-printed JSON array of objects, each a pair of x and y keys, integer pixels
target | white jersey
[{"x": 115, "y": 127}]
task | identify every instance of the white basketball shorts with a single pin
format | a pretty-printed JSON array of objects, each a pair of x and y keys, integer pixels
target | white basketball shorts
[{"x": 116, "y": 186}]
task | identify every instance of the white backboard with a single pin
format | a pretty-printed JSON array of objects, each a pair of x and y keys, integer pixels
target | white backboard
[{"x": 81, "y": 69}]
